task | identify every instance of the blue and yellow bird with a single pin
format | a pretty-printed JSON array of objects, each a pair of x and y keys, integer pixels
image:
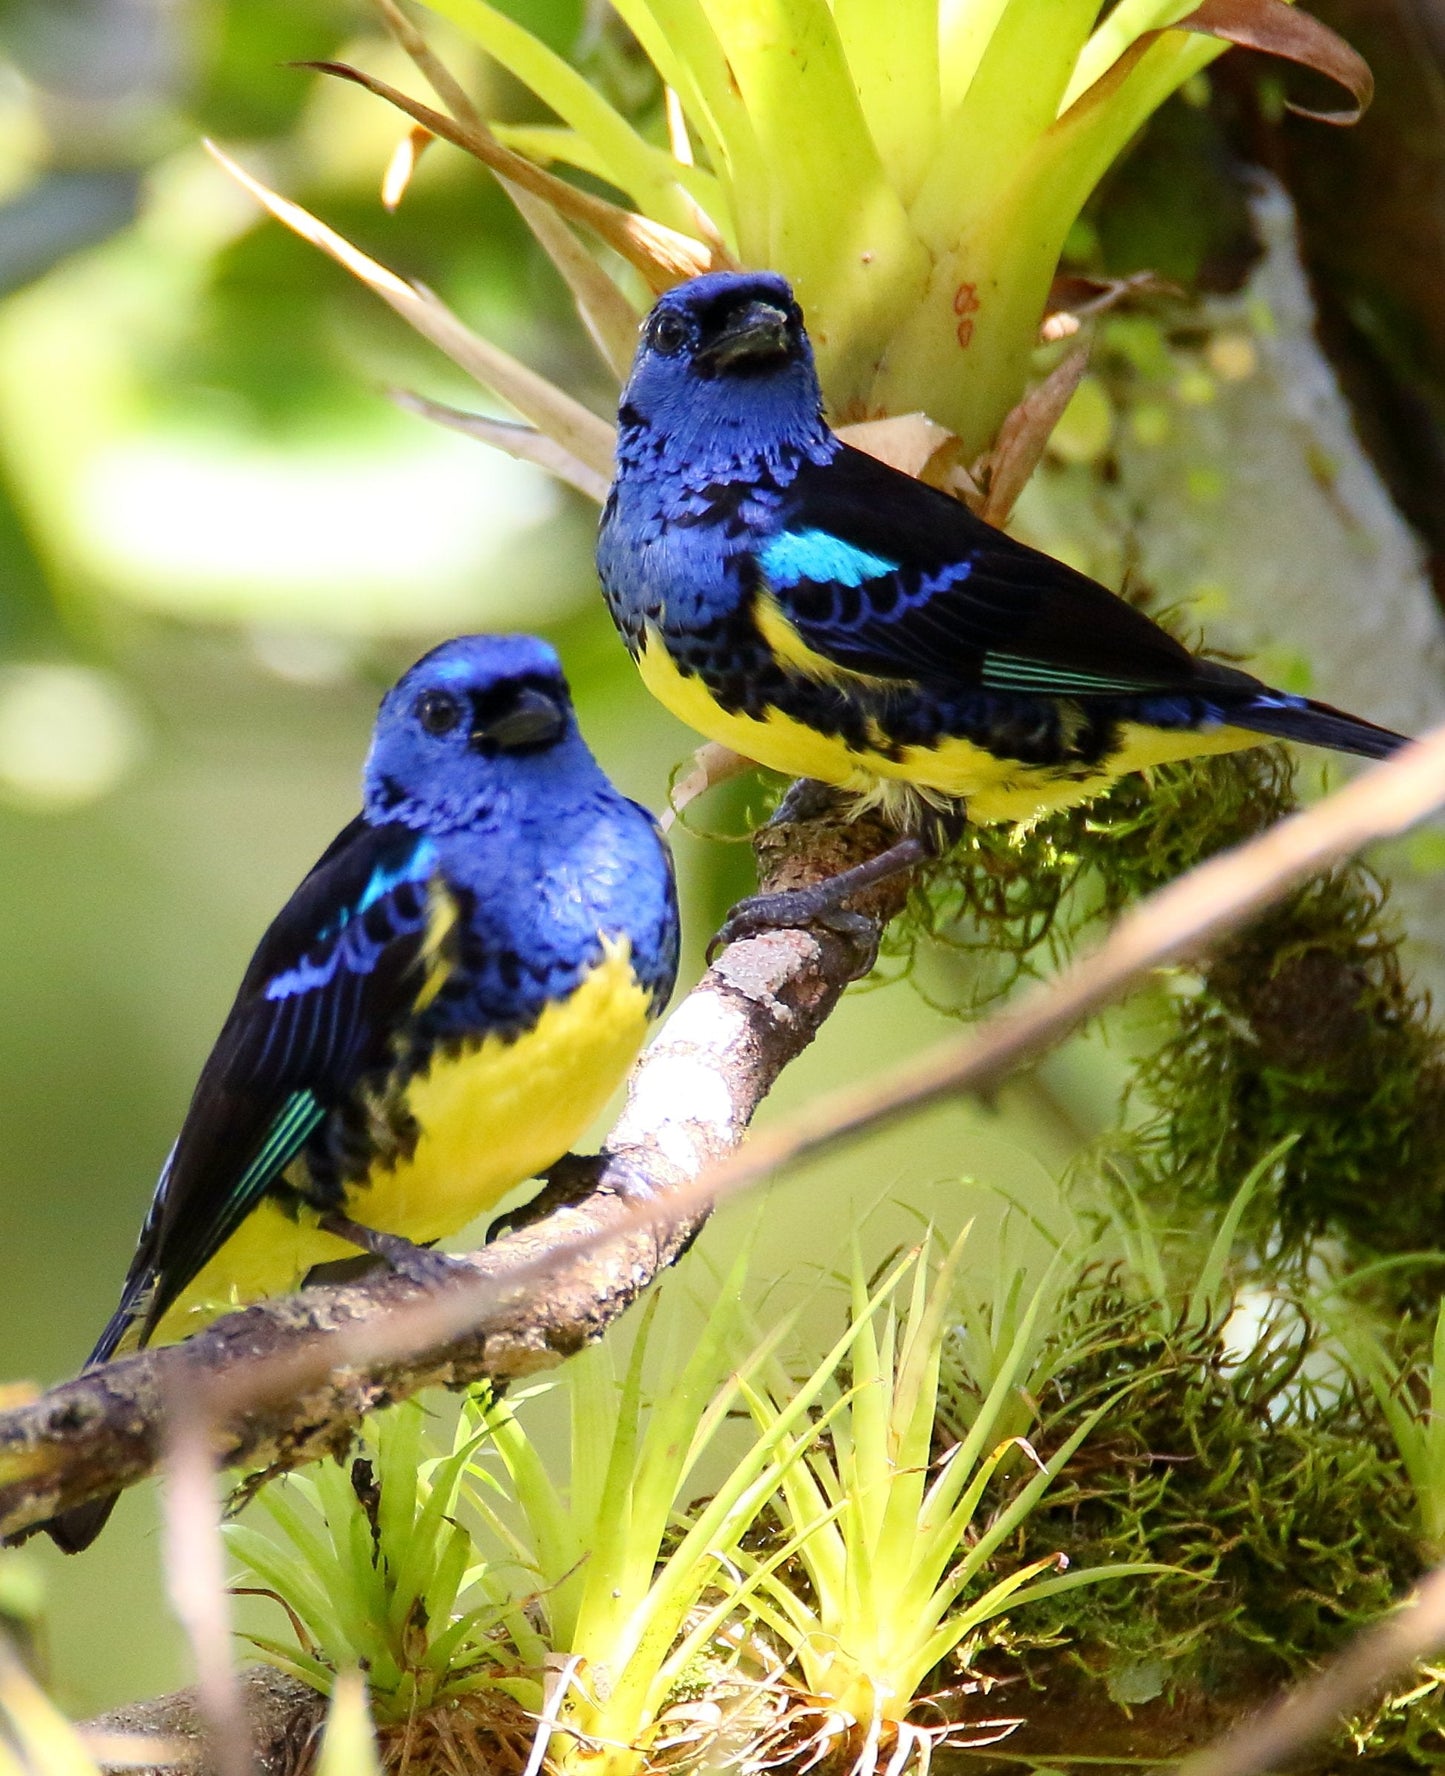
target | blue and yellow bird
[
  {"x": 438, "y": 1012},
  {"x": 833, "y": 618}
]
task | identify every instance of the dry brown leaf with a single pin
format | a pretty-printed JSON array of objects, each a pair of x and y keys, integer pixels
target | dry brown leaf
[
  {"x": 662, "y": 255},
  {"x": 1278, "y": 29},
  {"x": 576, "y": 428},
  {"x": 907, "y": 441},
  {"x": 522, "y": 441},
  {"x": 403, "y": 164},
  {"x": 1274, "y": 27},
  {"x": 711, "y": 764},
  {"x": 1024, "y": 434}
]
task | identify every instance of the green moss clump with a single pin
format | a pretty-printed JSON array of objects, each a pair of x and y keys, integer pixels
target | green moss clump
[
  {"x": 1307, "y": 1028},
  {"x": 1005, "y": 902},
  {"x": 1279, "y": 1502}
]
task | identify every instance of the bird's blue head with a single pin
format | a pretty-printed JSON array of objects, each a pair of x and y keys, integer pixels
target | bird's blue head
[
  {"x": 724, "y": 367},
  {"x": 479, "y": 726}
]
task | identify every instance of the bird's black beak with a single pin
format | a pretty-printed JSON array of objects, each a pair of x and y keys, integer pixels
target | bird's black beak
[
  {"x": 530, "y": 721},
  {"x": 754, "y": 337}
]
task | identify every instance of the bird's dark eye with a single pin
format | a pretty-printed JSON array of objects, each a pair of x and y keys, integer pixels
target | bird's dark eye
[
  {"x": 438, "y": 711},
  {"x": 668, "y": 334}
]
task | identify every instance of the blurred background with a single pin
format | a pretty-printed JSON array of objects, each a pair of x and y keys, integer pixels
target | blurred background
[{"x": 220, "y": 540}]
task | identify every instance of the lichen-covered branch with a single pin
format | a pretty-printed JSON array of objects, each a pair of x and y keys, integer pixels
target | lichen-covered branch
[
  {"x": 257, "y": 1371},
  {"x": 286, "y": 1381}
]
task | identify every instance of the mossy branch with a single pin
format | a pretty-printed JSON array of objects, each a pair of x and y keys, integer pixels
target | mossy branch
[{"x": 286, "y": 1381}]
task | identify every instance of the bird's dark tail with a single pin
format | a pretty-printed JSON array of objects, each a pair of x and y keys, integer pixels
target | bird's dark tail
[
  {"x": 1317, "y": 724},
  {"x": 74, "y": 1530}
]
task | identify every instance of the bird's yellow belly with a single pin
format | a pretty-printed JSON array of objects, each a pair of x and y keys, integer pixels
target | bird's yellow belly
[
  {"x": 491, "y": 1115},
  {"x": 993, "y": 789}
]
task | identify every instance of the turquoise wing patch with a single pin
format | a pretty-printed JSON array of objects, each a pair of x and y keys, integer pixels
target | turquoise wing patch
[
  {"x": 1014, "y": 672},
  {"x": 819, "y": 556},
  {"x": 298, "y": 1116}
]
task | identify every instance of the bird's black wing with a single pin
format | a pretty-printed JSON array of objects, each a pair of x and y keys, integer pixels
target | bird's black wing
[
  {"x": 337, "y": 972},
  {"x": 887, "y": 576}
]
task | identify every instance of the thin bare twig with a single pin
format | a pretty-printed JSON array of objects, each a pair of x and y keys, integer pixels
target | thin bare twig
[
  {"x": 289, "y": 1376},
  {"x": 196, "y": 1575}
]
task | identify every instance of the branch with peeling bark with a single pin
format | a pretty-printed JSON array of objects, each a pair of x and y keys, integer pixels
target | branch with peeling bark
[
  {"x": 289, "y": 1379},
  {"x": 287, "y": 1382}
]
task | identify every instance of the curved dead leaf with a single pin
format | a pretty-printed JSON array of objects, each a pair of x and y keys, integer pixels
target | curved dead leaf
[
  {"x": 575, "y": 427},
  {"x": 1024, "y": 434},
  {"x": 662, "y": 255},
  {"x": 1274, "y": 27},
  {"x": 1278, "y": 29},
  {"x": 524, "y": 442},
  {"x": 710, "y": 765}
]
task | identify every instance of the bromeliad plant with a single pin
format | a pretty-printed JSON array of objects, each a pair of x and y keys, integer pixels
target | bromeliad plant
[
  {"x": 640, "y": 1601},
  {"x": 914, "y": 169},
  {"x": 891, "y": 1557},
  {"x": 376, "y": 1574},
  {"x": 599, "y": 1605},
  {"x": 598, "y": 1622}
]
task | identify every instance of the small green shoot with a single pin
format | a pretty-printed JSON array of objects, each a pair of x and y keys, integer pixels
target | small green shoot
[
  {"x": 348, "y": 1743},
  {"x": 895, "y": 1542},
  {"x": 1206, "y": 1288},
  {"x": 375, "y": 1574},
  {"x": 1411, "y": 1399},
  {"x": 635, "y": 1597}
]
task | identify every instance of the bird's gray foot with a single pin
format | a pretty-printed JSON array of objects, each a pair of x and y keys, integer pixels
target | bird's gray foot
[
  {"x": 821, "y": 903},
  {"x": 565, "y": 1183},
  {"x": 568, "y": 1183},
  {"x": 418, "y": 1264},
  {"x": 807, "y": 799}
]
